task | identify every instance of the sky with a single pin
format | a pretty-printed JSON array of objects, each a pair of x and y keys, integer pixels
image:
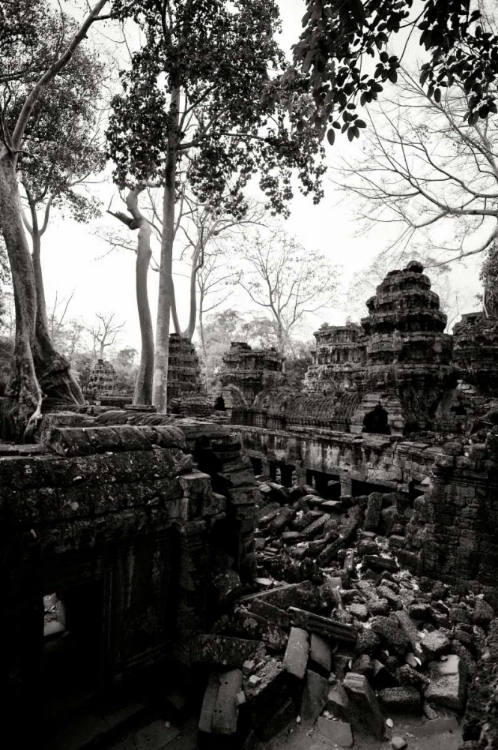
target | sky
[{"x": 77, "y": 262}]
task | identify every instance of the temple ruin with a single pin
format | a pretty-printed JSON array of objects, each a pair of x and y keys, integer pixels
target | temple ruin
[{"x": 318, "y": 560}]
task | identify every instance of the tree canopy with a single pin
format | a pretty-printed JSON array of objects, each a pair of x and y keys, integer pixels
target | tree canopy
[{"x": 337, "y": 40}]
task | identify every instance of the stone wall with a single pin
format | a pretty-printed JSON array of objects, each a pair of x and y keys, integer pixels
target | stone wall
[{"x": 123, "y": 517}]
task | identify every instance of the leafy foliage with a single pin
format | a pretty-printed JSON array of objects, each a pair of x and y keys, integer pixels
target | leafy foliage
[
  {"x": 61, "y": 143},
  {"x": 224, "y": 60},
  {"x": 339, "y": 37}
]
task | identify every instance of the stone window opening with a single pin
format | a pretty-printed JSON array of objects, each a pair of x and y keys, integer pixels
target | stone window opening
[{"x": 376, "y": 422}]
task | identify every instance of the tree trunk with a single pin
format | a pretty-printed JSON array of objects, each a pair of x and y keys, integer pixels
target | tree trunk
[
  {"x": 53, "y": 370},
  {"x": 160, "y": 386},
  {"x": 174, "y": 312},
  {"x": 143, "y": 386},
  {"x": 189, "y": 332},
  {"x": 23, "y": 387}
]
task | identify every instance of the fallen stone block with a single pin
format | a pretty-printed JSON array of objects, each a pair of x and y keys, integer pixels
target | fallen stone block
[
  {"x": 314, "y": 528},
  {"x": 314, "y": 698},
  {"x": 365, "y": 711},
  {"x": 323, "y": 625},
  {"x": 273, "y": 682},
  {"x": 373, "y": 510},
  {"x": 276, "y": 721},
  {"x": 390, "y": 634},
  {"x": 283, "y": 517},
  {"x": 303, "y": 594},
  {"x": 411, "y": 631},
  {"x": 209, "y": 703},
  {"x": 398, "y": 743},
  {"x": 337, "y": 700},
  {"x": 226, "y": 710},
  {"x": 320, "y": 658},
  {"x": 269, "y": 612},
  {"x": 224, "y": 651},
  {"x": 296, "y": 653},
  {"x": 435, "y": 644},
  {"x": 252, "y": 626},
  {"x": 337, "y": 732},
  {"x": 401, "y": 700},
  {"x": 447, "y": 683}
]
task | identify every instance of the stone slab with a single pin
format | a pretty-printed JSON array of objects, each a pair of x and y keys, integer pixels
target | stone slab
[
  {"x": 337, "y": 732},
  {"x": 296, "y": 653}
]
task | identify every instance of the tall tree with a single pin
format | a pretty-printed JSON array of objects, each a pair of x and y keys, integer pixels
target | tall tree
[
  {"x": 135, "y": 219},
  {"x": 288, "y": 281},
  {"x": 29, "y": 64},
  {"x": 204, "y": 94},
  {"x": 431, "y": 175},
  {"x": 338, "y": 39},
  {"x": 105, "y": 333}
]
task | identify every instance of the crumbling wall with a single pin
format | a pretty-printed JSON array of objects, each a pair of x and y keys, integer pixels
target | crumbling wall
[
  {"x": 454, "y": 529},
  {"x": 125, "y": 507}
]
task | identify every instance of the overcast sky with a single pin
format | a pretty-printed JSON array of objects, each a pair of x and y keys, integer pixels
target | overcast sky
[{"x": 76, "y": 261}]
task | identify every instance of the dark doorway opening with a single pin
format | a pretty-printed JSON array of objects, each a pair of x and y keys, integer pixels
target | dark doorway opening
[
  {"x": 376, "y": 422},
  {"x": 219, "y": 404},
  {"x": 365, "y": 488},
  {"x": 72, "y": 666}
]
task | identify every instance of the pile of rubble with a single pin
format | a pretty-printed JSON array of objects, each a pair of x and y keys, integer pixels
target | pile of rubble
[{"x": 338, "y": 636}]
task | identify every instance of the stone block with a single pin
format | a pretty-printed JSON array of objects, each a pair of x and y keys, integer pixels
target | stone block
[
  {"x": 276, "y": 721},
  {"x": 269, "y": 612},
  {"x": 401, "y": 700},
  {"x": 226, "y": 710},
  {"x": 434, "y": 644},
  {"x": 314, "y": 698},
  {"x": 252, "y": 626},
  {"x": 337, "y": 700},
  {"x": 296, "y": 653},
  {"x": 363, "y": 704},
  {"x": 273, "y": 682},
  {"x": 337, "y": 732},
  {"x": 447, "y": 683},
  {"x": 320, "y": 657},
  {"x": 390, "y": 634},
  {"x": 224, "y": 651},
  {"x": 372, "y": 514}
]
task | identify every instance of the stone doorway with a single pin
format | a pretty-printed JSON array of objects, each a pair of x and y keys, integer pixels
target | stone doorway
[{"x": 73, "y": 649}]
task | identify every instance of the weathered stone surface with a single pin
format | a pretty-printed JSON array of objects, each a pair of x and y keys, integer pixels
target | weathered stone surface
[
  {"x": 273, "y": 614},
  {"x": 367, "y": 642},
  {"x": 483, "y": 613},
  {"x": 226, "y": 710},
  {"x": 314, "y": 697},
  {"x": 372, "y": 514},
  {"x": 434, "y": 644},
  {"x": 401, "y": 699},
  {"x": 320, "y": 657},
  {"x": 224, "y": 651},
  {"x": 296, "y": 653},
  {"x": 447, "y": 683},
  {"x": 252, "y": 626},
  {"x": 390, "y": 634},
  {"x": 337, "y": 732},
  {"x": 272, "y": 682},
  {"x": 363, "y": 704},
  {"x": 337, "y": 700}
]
